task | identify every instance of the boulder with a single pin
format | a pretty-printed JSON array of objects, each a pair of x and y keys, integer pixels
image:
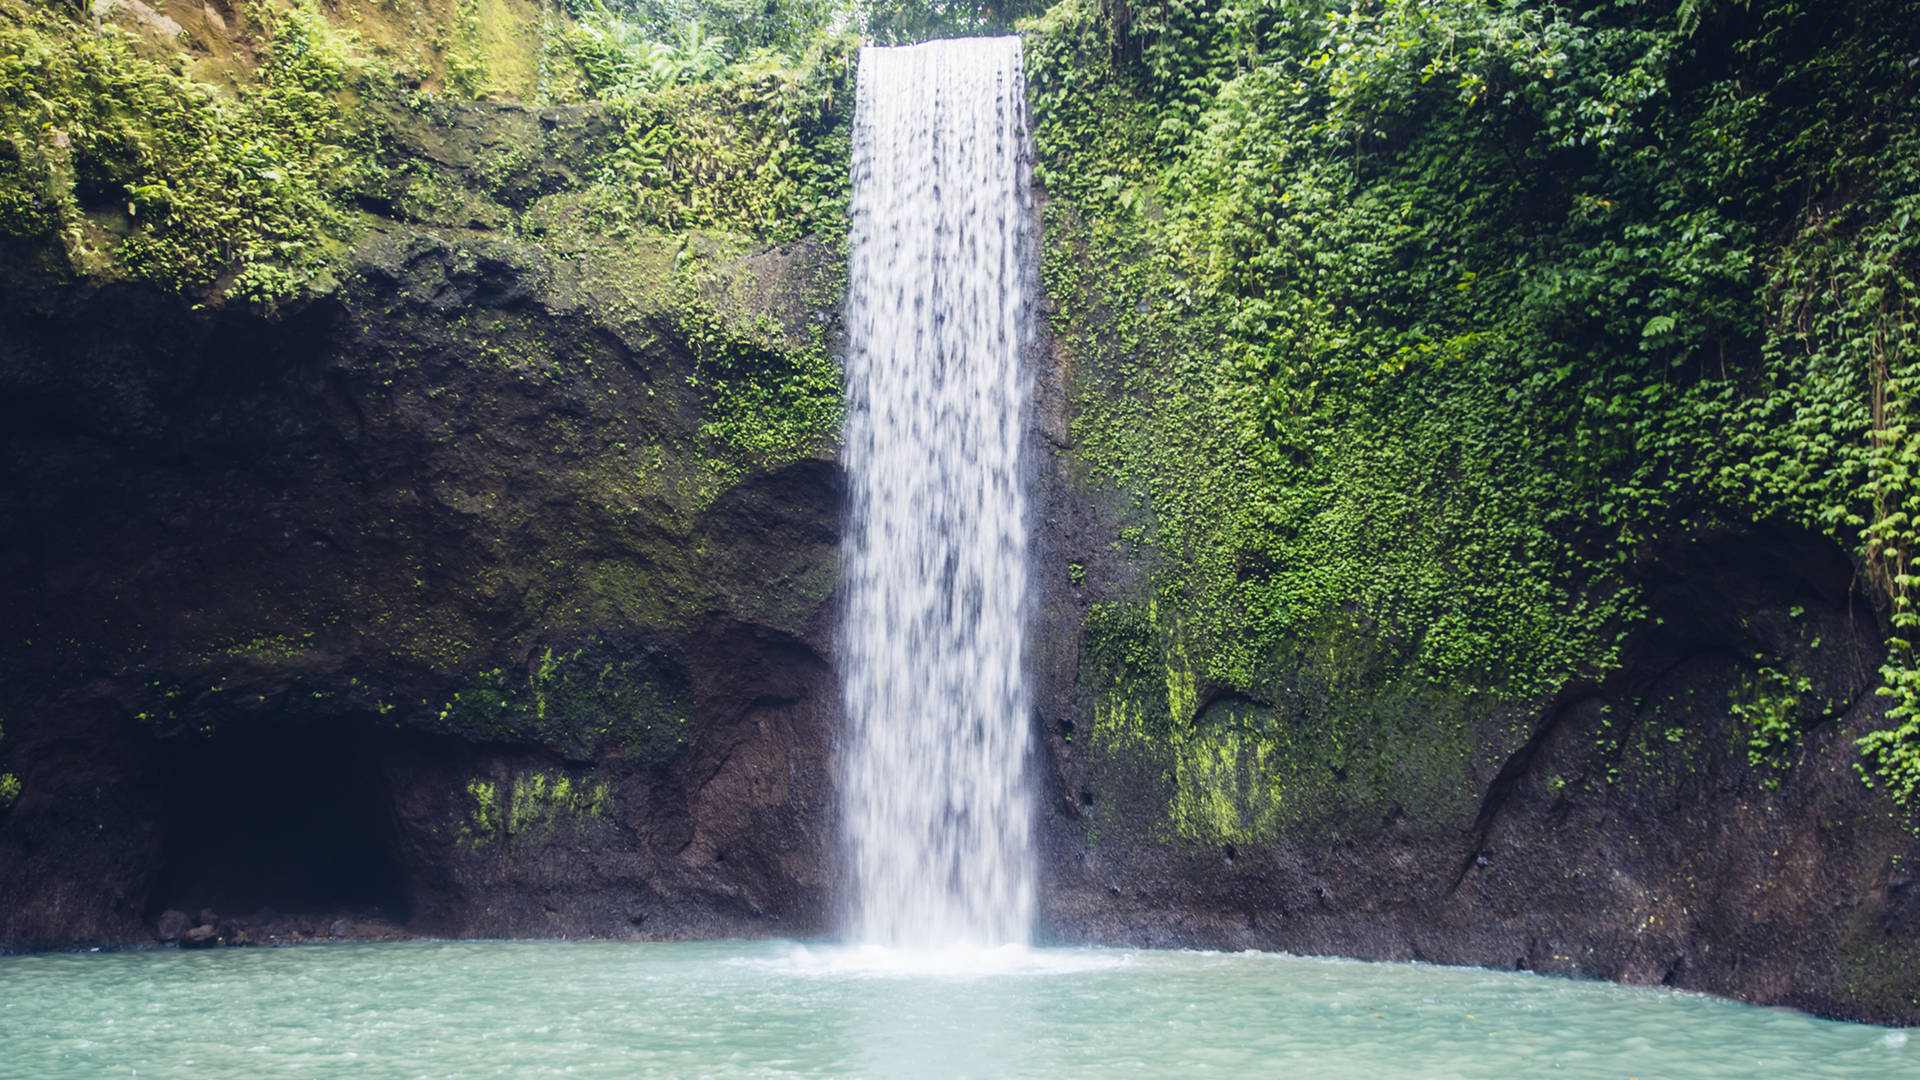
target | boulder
[{"x": 172, "y": 924}]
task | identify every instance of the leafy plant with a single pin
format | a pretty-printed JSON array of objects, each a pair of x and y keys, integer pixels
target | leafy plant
[
  {"x": 130, "y": 166},
  {"x": 1432, "y": 318},
  {"x": 759, "y": 148},
  {"x": 1769, "y": 705}
]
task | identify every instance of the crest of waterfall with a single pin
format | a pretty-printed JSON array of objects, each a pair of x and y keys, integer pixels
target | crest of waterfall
[{"x": 935, "y": 806}]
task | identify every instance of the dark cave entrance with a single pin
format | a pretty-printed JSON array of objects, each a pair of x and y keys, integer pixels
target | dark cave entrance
[{"x": 292, "y": 822}]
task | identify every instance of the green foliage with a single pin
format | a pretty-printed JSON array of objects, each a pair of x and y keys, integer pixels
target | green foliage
[
  {"x": 768, "y": 401},
  {"x": 128, "y": 163},
  {"x": 533, "y": 802},
  {"x": 736, "y": 28},
  {"x": 759, "y": 148},
  {"x": 1434, "y": 317},
  {"x": 466, "y": 60},
  {"x": 904, "y": 22},
  {"x": 112, "y": 153},
  {"x": 484, "y": 817},
  {"x": 741, "y": 27},
  {"x": 621, "y": 59},
  {"x": 1346, "y": 739},
  {"x": 582, "y": 699},
  {"x": 1769, "y": 707}
]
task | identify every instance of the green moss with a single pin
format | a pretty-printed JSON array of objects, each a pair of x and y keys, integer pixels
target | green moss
[
  {"x": 543, "y": 799},
  {"x": 484, "y": 818},
  {"x": 1348, "y": 741},
  {"x": 635, "y": 595},
  {"x": 133, "y": 168},
  {"x": 767, "y": 403},
  {"x": 591, "y": 698},
  {"x": 1878, "y": 972},
  {"x": 536, "y": 802},
  {"x": 760, "y": 149},
  {"x": 1374, "y": 315}
]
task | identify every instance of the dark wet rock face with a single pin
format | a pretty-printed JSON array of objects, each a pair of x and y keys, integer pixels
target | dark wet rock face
[
  {"x": 394, "y": 615},
  {"x": 171, "y": 925},
  {"x": 1632, "y": 830},
  {"x": 425, "y": 606}
]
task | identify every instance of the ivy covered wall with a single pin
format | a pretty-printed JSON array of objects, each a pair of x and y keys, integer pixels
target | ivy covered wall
[{"x": 1413, "y": 331}]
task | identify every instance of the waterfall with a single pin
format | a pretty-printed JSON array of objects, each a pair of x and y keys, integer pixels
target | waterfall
[{"x": 934, "y": 798}]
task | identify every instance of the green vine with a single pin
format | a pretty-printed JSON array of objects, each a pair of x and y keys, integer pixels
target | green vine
[{"x": 1432, "y": 320}]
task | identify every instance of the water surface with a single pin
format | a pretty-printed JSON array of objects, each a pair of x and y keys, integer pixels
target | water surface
[{"x": 538, "y": 1009}]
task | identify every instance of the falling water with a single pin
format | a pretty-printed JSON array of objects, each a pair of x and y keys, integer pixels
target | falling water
[{"x": 935, "y": 806}]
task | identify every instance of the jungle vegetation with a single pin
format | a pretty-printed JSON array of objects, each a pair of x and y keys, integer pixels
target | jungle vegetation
[
  {"x": 1427, "y": 319},
  {"x": 1442, "y": 317}
]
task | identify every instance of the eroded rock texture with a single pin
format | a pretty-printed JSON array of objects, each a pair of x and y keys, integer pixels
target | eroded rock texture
[
  {"x": 436, "y": 600},
  {"x": 1631, "y": 829}
]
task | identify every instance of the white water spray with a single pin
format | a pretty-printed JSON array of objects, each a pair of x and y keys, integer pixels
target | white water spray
[{"x": 935, "y": 805}]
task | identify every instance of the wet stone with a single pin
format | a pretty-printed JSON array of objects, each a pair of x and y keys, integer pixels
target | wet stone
[{"x": 172, "y": 924}]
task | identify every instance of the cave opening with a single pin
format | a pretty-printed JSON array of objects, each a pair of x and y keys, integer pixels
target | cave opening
[{"x": 287, "y": 822}]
